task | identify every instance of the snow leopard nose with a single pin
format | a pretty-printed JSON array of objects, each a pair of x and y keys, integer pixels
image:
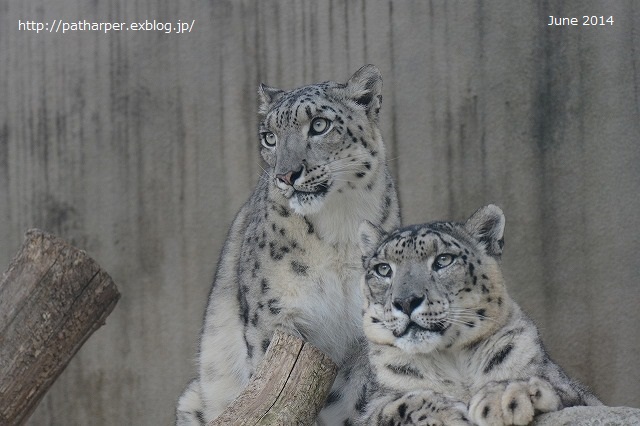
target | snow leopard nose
[
  {"x": 408, "y": 304},
  {"x": 290, "y": 177}
]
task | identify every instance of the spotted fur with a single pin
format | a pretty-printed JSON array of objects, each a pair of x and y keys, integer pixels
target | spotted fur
[
  {"x": 291, "y": 258},
  {"x": 442, "y": 329}
]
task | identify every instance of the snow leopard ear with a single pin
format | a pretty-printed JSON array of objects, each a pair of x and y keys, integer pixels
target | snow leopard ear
[
  {"x": 487, "y": 226},
  {"x": 268, "y": 96},
  {"x": 365, "y": 88},
  {"x": 369, "y": 237}
]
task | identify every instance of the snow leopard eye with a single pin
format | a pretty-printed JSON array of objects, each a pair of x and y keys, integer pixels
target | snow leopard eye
[
  {"x": 383, "y": 270},
  {"x": 319, "y": 126},
  {"x": 442, "y": 261},
  {"x": 269, "y": 139}
]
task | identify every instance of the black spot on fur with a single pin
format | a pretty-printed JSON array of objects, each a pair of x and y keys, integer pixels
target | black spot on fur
[
  {"x": 264, "y": 285},
  {"x": 513, "y": 404},
  {"x": 405, "y": 370},
  {"x": 402, "y": 410},
  {"x": 361, "y": 403},
  {"x": 282, "y": 210},
  {"x": 275, "y": 254},
  {"x": 310, "y": 229},
  {"x": 498, "y": 358},
  {"x": 200, "y": 416},
  {"x": 265, "y": 345},
  {"x": 485, "y": 411},
  {"x": 333, "y": 397},
  {"x": 273, "y": 308},
  {"x": 299, "y": 268},
  {"x": 244, "y": 305}
]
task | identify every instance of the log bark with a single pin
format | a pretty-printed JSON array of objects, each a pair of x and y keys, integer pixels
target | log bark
[
  {"x": 52, "y": 298},
  {"x": 289, "y": 387}
]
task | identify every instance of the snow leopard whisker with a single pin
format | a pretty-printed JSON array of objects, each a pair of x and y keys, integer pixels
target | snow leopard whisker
[
  {"x": 354, "y": 155},
  {"x": 465, "y": 314},
  {"x": 343, "y": 180},
  {"x": 470, "y": 311},
  {"x": 267, "y": 172},
  {"x": 471, "y": 317},
  {"x": 348, "y": 166},
  {"x": 348, "y": 160},
  {"x": 456, "y": 321}
]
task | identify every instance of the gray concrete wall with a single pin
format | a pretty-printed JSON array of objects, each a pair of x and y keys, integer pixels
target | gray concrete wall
[{"x": 140, "y": 146}]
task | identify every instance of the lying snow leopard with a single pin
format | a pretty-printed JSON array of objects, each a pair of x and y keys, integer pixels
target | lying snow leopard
[
  {"x": 291, "y": 259},
  {"x": 447, "y": 344}
]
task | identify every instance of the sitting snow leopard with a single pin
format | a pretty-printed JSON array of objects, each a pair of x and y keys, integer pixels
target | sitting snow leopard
[
  {"x": 291, "y": 259},
  {"x": 447, "y": 345}
]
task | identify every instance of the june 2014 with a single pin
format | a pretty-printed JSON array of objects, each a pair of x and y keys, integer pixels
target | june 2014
[{"x": 586, "y": 20}]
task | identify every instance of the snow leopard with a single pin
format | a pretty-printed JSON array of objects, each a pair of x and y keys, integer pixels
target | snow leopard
[
  {"x": 291, "y": 259},
  {"x": 447, "y": 345}
]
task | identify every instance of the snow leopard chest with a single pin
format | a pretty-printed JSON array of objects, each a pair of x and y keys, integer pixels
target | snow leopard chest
[
  {"x": 291, "y": 278},
  {"x": 456, "y": 374}
]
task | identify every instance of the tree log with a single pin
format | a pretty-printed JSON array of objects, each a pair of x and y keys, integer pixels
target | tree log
[
  {"x": 289, "y": 388},
  {"x": 52, "y": 298}
]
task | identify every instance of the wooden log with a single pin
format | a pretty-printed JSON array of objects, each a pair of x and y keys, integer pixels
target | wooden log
[
  {"x": 289, "y": 387},
  {"x": 52, "y": 298}
]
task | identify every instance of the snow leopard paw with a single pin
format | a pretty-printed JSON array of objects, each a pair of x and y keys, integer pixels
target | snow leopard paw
[
  {"x": 424, "y": 408},
  {"x": 513, "y": 402}
]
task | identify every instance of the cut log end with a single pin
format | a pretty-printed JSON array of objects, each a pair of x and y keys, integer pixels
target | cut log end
[
  {"x": 289, "y": 387},
  {"x": 52, "y": 298}
]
